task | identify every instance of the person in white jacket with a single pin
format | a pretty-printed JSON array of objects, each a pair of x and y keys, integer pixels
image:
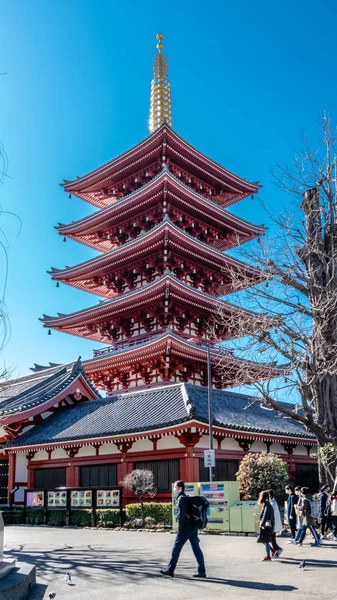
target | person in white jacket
[{"x": 276, "y": 549}]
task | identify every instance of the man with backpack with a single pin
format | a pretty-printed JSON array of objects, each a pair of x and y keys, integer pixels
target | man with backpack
[{"x": 188, "y": 521}]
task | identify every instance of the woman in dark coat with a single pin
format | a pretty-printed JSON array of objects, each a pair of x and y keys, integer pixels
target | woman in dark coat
[
  {"x": 324, "y": 510},
  {"x": 267, "y": 522}
]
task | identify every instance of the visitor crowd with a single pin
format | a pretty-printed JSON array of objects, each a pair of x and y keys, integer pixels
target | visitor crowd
[{"x": 301, "y": 513}]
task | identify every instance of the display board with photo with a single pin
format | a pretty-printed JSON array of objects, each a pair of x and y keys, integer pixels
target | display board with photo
[
  {"x": 109, "y": 498},
  {"x": 57, "y": 499},
  {"x": 81, "y": 498},
  {"x": 35, "y": 499}
]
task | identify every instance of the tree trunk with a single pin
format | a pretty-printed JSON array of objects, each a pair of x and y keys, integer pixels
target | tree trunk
[{"x": 142, "y": 510}]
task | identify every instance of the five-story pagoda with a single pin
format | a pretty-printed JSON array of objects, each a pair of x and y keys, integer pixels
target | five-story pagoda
[{"x": 162, "y": 227}]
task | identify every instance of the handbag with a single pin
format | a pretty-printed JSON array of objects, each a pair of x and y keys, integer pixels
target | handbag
[{"x": 267, "y": 524}]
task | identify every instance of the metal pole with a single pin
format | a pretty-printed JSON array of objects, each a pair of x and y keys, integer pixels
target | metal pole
[{"x": 210, "y": 416}]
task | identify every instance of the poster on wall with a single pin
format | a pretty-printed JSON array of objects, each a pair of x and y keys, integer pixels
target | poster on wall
[
  {"x": 81, "y": 498},
  {"x": 57, "y": 499},
  {"x": 109, "y": 498},
  {"x": 35, "y": 499}
]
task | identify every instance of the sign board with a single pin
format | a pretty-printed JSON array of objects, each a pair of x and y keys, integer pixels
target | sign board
[{"x": 209, "y": 458}]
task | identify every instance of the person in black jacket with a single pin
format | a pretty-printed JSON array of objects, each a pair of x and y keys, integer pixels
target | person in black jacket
[
  {"x": 186, "y": 531},
  {"x": 267, "y": 523},
  {"x": 291, "y": 512},
  {"x": 324, "y": 510}
]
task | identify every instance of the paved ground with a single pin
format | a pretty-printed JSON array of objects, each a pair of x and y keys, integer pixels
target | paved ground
[{"x": 115, "y": 565}]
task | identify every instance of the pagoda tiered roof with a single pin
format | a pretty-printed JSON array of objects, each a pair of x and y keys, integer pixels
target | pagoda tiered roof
[
  {"x": 156, "y": 305},
  {"x": 164, "y": 147},
  {"x": 165, "y": 247},
  {"x": 142, "y": 209},
  {"x": 173, "y": 358}
]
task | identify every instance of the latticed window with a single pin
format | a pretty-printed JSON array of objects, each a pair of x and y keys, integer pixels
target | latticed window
[
  {"x": 48, "y": 479},
  {"x": 98, "y": 475},
  {"x": 224, "y": 470},
  {"x": 165, "y": 472}
]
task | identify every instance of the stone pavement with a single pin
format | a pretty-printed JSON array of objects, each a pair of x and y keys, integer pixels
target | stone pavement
[{"x": 113, "y": 565}]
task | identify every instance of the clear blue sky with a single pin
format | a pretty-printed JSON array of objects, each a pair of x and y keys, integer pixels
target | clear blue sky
[{"x": 246, "y": 79}]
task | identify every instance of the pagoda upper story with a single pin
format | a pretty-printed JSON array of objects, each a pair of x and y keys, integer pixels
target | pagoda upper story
[{"x": 161, "y": 228}]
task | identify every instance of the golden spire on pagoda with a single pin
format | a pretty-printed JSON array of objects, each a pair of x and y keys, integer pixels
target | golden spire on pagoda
[{"x": 160, "y": 111}]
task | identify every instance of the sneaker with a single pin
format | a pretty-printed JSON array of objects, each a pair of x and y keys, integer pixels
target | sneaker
[
  {"x": 298, "y": 543},
  {"x": 200, "y": 575},
  {"x": 316, "y": 545},
  {"x": 274, "y": 553},
  {"x": 165, "y": 572},
  {"x": 292, "y": 541},
  {"x": 334, "y": 538},
  {"x": 278, "y": 553},
  {"x": 266, "y": 559}
]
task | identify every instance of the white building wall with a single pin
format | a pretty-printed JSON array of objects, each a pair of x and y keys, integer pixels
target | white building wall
[
  {"x": 169, "y": 441},
  {"x": 142, "y": 445},
  {"x": 277, "y": 449},
  {"x": 86, "y": 451},
  {"x": 40, "y": 455},
  {"x": 21, "y": 467},
  {"x": 229, "y": 444},
  {"x": 204, "y": 442},
  {"x": 110, "y": 448},
  {"x": 58, "y": 453},
  {"x": 258, "y": 446},
  {"x": 300, "y": 451}
]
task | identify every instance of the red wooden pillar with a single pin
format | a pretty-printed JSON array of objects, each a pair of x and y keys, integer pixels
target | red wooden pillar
[
  {"x": 11, "y": 474},
  {"x": 189, "y": 470},
  {"x": 71, "y": 470}
]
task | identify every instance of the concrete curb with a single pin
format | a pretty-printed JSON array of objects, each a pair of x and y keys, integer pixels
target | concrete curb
[{"x": 18, "y": 583}]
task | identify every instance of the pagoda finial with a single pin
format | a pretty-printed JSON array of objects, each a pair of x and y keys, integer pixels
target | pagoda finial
[{"x": 160, "y": 111}]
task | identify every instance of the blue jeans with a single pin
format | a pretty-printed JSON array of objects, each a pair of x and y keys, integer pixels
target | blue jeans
[
  {"x": 302, "y": 531},
  {"x": 179, "y": 543}
]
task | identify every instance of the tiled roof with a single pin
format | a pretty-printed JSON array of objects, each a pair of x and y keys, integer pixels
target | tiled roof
[
  {"x": 32, "y": 390},
  {"x": 157, "y": 408}
]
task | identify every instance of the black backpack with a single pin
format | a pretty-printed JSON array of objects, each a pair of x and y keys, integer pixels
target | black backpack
[{"x": 198, "y": 506}]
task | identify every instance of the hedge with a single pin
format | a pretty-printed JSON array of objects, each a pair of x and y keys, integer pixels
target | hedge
[
  {"x": 108, "y": 517},
  {"x": 80, "y": 517},
  {"x": 161, "y": 512},
  {"x": 56, "y": 517},
  {"x": 35, "y": 516}
]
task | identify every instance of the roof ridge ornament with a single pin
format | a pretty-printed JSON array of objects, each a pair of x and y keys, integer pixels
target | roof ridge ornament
[{"x": 160, "y": 109}]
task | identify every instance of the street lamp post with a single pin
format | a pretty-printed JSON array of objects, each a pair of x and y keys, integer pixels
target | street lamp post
[
  {"x": 210, "y": 412},
  {"x": 209, "y": 390}
]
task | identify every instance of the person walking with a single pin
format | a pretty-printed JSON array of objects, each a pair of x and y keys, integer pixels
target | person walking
[
  {"x": 291, "y": 510},
  {"x": 308, "y": 521},
  {"x": 267, "y": 521},
  {"x": 186, "y": 531},
  {"x": 324, "y": 510},
  {"x": 333, "y": 535},
  {"x": 278, "y": 526}
]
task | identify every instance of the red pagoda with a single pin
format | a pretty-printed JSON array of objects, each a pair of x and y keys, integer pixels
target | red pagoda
[{"x": 162, "y": 227}]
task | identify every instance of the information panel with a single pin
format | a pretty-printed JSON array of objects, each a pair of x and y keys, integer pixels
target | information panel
[
  {"x": 108, "y": 498},
  {"x": 81, "y": 498},
  {"x": 57, "y": 499},
  {"x": 35, "y": 499}
]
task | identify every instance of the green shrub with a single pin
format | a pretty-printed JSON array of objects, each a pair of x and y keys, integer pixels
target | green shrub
[
  {"x": 34, "y": 516},
  {"x": 161, "y": 512},
  {"x": 11, "y": 517},
  {"x": 108, "y": 517},
  {"x": 258, "y": 472},
  {"x": 80, "y": 517},
  {"x": 56, "y": 518}
]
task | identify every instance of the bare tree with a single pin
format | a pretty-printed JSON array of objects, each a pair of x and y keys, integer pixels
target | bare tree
[
  {"x": 141, "y": 483},
  {"x": 296, "y": 298}
]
